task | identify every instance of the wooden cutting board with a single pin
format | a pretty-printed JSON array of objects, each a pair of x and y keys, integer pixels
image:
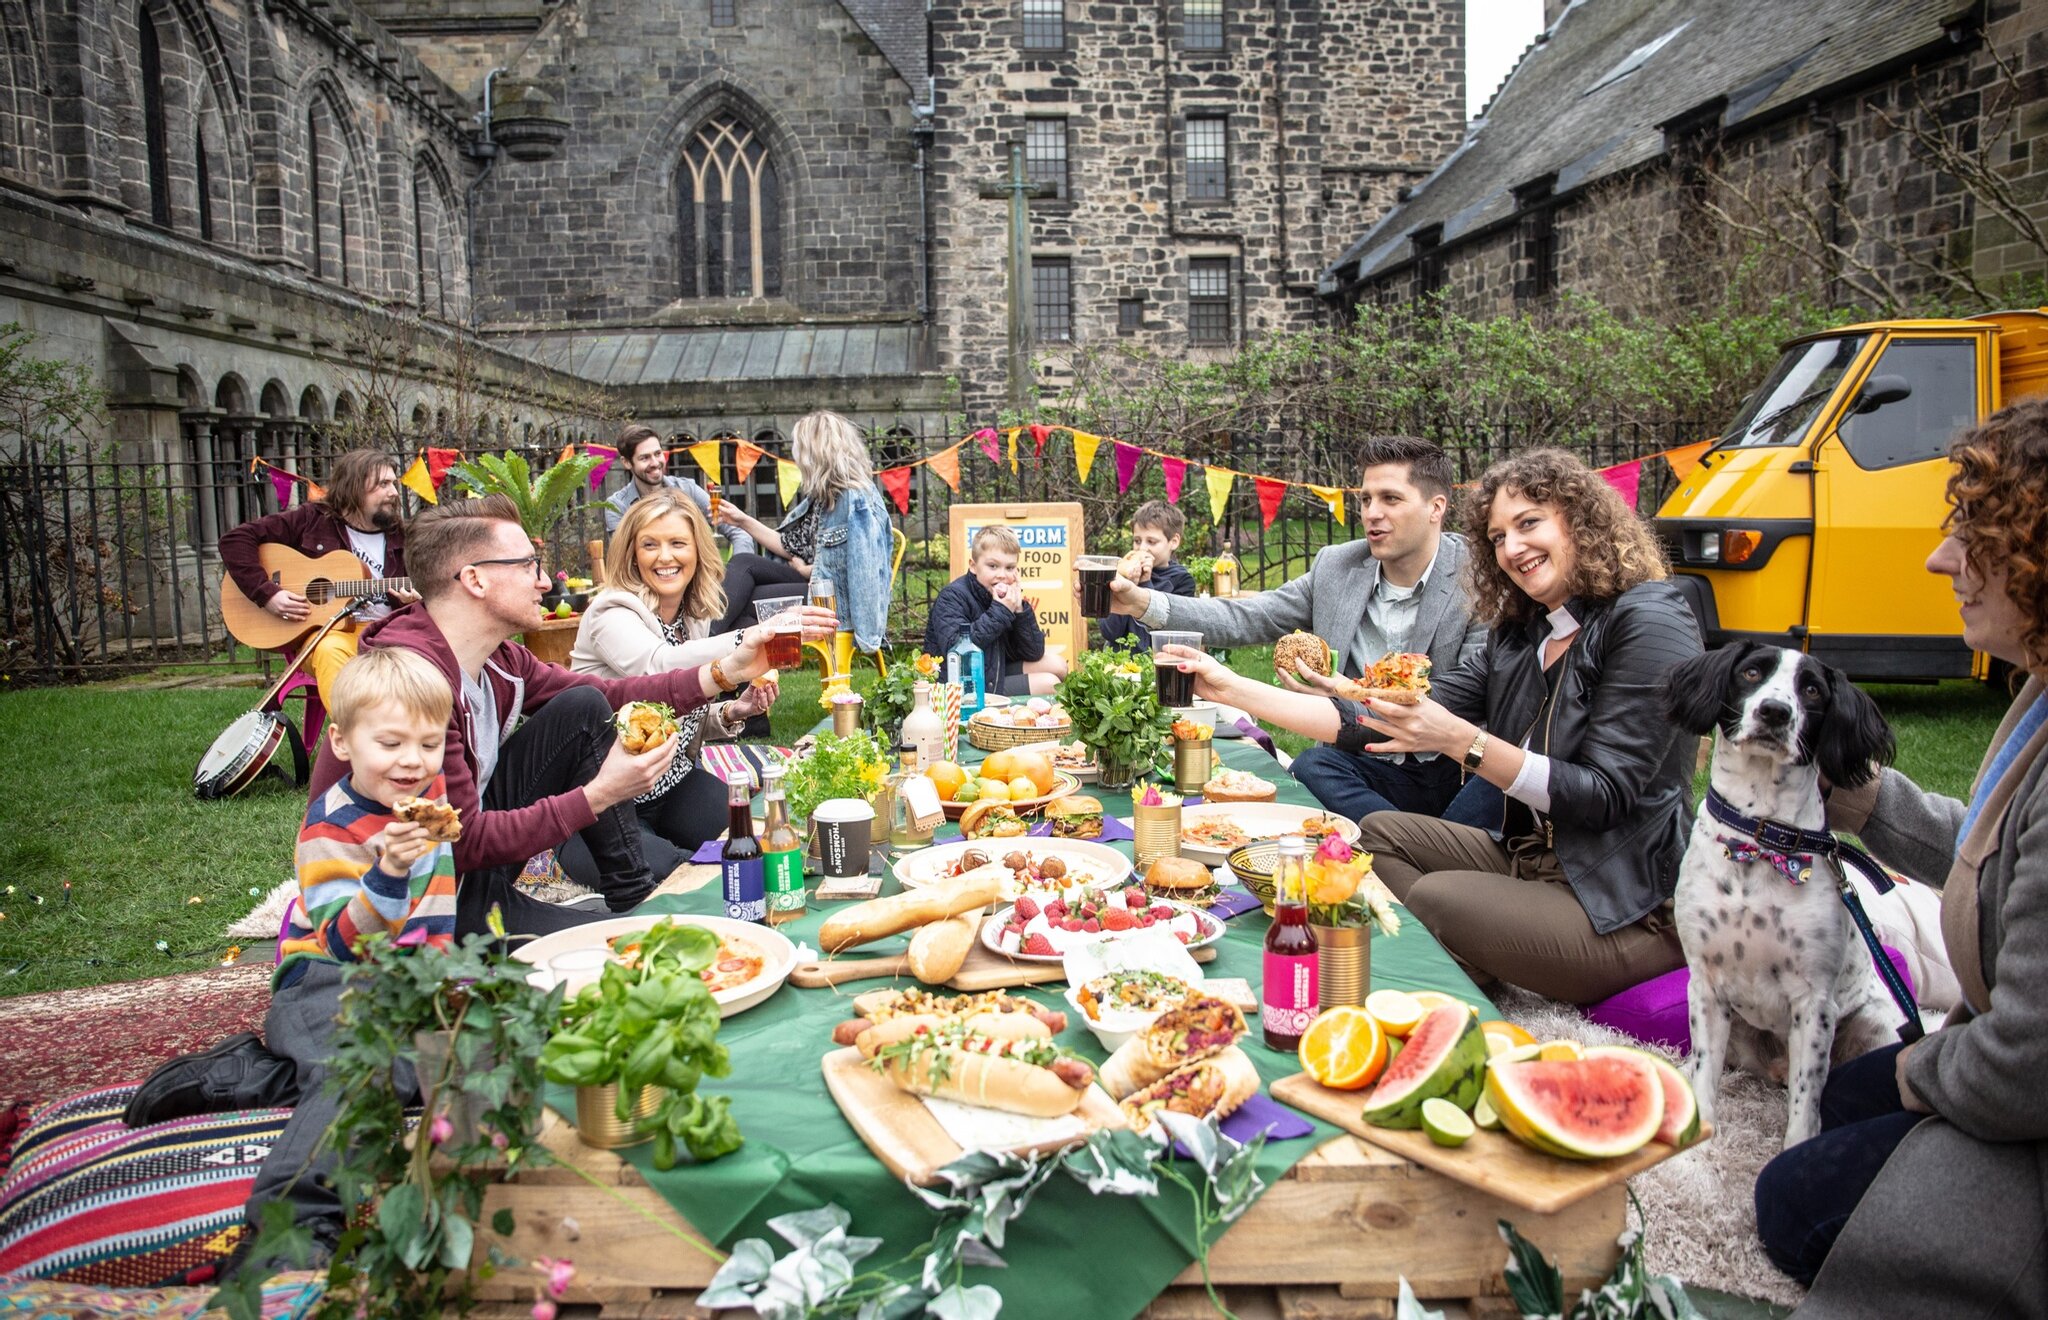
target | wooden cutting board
[
  {"x": 906, "y": 1138},
  {"x": 1492, "y": 1162},
  {"x": 983, "y": 970}
]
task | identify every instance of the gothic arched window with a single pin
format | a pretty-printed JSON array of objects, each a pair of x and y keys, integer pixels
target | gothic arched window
[
  {"x": 730, "y": 222},
  {"x": 156, "y": 138}
]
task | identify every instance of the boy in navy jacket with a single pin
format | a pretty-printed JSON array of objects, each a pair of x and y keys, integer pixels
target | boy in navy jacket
[
  {"x": 1155, "y": 530},
  {"x": 987, "y": 604}
]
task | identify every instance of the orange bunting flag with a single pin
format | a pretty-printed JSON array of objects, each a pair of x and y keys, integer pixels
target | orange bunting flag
[
  {"x": 706, "y": 454},
  {"x": 788, "y": 476},
  {"x": 1220, "y": 480},
  {"x": 897, "y": 482},
  {"x": 946, "y": 463},
  {"x": 1039, "y": 435},
  {"x": 745, "y": 454},
  {"x": 315, "y": 492},
  {"x": 568, "y": 452},
  {"x": 1334, "y": 497},
  {"x": 418, "y": 482},
  {"x": 1686, "y": 461},
  {"x": 1271, "y": 492},
  {"x": 1085, "y": 446},
  {"x": 1013, "y": 449}
]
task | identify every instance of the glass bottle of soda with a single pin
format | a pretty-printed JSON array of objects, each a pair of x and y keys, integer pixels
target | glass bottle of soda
[
  {"x": 1223, "y": 578},
  {"x": 1290, "y": 994},
  {"x": 782, "y": 852},
  {"x": 742, "y": 867}
]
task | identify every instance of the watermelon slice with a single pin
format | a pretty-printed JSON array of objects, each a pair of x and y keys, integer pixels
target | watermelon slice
[
  {"x": 1580, "y": 1109},
  {"x": 1444, "y": 1059},
  {"x": 1681, "y": 1126}
]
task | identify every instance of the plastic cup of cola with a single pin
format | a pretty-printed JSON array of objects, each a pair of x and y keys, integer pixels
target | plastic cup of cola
[{"x": 1176, "y": 687}]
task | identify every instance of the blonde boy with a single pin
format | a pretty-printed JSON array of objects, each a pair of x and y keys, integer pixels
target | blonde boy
[{"x": 987, "y": 604}]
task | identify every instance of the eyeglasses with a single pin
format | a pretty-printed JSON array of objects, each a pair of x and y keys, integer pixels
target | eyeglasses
[{"x": 531, "y": 563}]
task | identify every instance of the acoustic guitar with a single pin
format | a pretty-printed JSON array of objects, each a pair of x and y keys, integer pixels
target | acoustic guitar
[{"x": 330, "y": 584}]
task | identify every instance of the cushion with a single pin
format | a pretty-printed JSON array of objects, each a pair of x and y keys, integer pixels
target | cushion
[
  {"x": 89, "y": 1200},
  {"x": 1655, "y": 1011}
]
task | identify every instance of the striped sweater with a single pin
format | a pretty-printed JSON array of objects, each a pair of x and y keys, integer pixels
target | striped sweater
[{"x": 344, "y": 895}]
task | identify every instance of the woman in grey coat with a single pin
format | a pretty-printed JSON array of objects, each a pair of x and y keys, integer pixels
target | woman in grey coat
[{"x": 1923, "y": 1195}]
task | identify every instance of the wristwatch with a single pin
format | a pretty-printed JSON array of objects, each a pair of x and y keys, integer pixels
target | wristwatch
[{"x": 1476, "y": 752}]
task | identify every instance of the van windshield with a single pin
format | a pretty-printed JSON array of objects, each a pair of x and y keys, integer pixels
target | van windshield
[{"x": 1784, "y": 405}]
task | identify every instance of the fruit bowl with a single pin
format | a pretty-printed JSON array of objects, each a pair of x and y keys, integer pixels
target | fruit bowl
[
  {"x": 1253, "y": 864},
  {"x": 1063, "y": 784}
]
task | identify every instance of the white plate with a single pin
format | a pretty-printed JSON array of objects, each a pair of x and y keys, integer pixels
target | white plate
[
  {"x": 992, "y": 931},
  {"x": 927, "y": 866},
  {"x": 1261, "y": 820},
  {"x": 773, "y": 944}
]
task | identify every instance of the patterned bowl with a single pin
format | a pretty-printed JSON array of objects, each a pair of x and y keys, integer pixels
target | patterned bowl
[{"x": 1253, "y": 864}]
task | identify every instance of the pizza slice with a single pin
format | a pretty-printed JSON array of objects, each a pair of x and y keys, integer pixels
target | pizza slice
[{"x": 1400, "y": 678}]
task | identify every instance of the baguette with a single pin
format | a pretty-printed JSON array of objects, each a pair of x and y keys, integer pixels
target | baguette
[
  {"x": 881, "y": 917},
  {"x": 939, "y": 950},
  {"x": 952, "y": 1061},
  {"x": 1208, "y": 1088}
]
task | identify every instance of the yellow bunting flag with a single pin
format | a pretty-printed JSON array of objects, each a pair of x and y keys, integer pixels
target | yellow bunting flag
[
  {"x": 1013, "y": 449},
  {"x": 1220, "y": 481},
  {"x": 418, "y": 482},
  {"x": 1334, "y": 497},
  {"x": 1085, "y": 446},
  {"x": 787, "y": 477},
  {"x": 1686, "y": 461},
  {"x": 706, "y": 454},
  {"x": 946, "y": 464}
]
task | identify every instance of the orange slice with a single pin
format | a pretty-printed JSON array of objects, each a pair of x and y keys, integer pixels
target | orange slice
[
  {"x": 1561, "y": 1051},
  {"x": 1344, "y": 1049}
]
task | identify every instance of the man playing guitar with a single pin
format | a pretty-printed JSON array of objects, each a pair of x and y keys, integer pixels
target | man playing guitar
[{"x": 359, "y": 513}]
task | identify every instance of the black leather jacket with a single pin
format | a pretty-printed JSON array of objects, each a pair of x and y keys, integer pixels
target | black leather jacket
[{"x": 1620, "y": 770}]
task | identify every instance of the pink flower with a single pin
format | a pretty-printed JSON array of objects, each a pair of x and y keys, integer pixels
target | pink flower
[
  {"x": 440, "y": 1130},
  {"x": 1151, "y": 796},
  {"x": 560, "y": 1273},
  {"x": 1333, "y": 848},
  {"x": 500, "y": 1141},
  {"x": 543, "y": 1310}
]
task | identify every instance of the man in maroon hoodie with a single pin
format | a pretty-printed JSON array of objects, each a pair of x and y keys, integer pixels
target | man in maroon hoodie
[{"x": 532, "y": 756}]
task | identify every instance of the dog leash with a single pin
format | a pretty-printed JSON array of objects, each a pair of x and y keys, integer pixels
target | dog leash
[{"x": 1776, "y": 843}]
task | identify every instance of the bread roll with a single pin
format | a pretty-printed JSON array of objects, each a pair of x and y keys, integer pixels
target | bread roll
[
  {"x": 881, "y": 917},
  {"x": 938, "y": 950},
  {"x": 1177, "y": 873}
]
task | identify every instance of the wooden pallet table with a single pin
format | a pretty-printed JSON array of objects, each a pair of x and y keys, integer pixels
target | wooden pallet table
[{"x": 1331, "y": 1240}]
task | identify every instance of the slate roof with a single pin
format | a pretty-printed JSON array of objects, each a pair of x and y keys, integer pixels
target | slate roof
[
  {"x": 897, "y": 27},
  {"x": 1589, "y": 101},
  {"x": 657, "y": 357}
]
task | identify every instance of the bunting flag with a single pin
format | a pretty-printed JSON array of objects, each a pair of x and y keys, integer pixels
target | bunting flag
[
  {"x": 1127, "y": 457},
  {"x": 897, "y": 482},
  {"x": 1013, "y": 449},
  {"x": 440, "y": 460},
  {"x": 315, "y": 492},
  {"x": 1334, "y": 497},
  {"x": 705, "y": 452},
  {"x": 1176, "y": 470},
  {"x": 597, "y": 473},
  {"x": 1039, "y": 435},
  {"x": 1685, "y": 460},
  {"x": 568, "y": 452},
  {"x": 1626, "y": 478},
  {"x": 1220, "y": 481},
  {"x": 418, "y": 482},
  {"x": 946, "y": 463},
  {"x": 1271, "y": 492},
  {"x": 745, "y": 454},
  {"x": 986, "y": 438},
  {"x": 787, "y": 478},
  {"x": 1085, "y": 446},
  {"x": 282, "y": 482}
]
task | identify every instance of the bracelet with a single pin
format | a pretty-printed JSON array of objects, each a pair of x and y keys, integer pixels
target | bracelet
[
  {"x": 718, "y": 677},
  {"x": 1476, "y": 752}
]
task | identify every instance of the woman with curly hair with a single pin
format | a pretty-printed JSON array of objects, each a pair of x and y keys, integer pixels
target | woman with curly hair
[
  {"x": 1562, "y": 711},
  {"x": 1926, "y": 1190}
]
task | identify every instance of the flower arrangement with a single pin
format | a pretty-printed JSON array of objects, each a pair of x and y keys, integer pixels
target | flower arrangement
[
  {"x": 1343, "y": 891},
  {"x": 1110, "y": 696},
  {"x": 850, "y": 767},
  {"x": 1154, "y": 797},
  {"x": 894, "y": 695}
]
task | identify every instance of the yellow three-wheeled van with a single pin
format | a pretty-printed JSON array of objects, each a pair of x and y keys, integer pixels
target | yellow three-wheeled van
[{"x": 1810, "y": 521}]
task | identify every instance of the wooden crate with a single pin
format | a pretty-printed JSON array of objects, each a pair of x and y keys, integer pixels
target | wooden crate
[{"x": 1331, "y": 1240}]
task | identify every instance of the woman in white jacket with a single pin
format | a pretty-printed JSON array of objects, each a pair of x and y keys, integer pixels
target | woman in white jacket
[{"x": 664, "y": 589}]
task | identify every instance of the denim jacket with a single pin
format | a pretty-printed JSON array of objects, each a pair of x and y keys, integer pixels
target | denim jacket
[{"x": 853, "y": 550}]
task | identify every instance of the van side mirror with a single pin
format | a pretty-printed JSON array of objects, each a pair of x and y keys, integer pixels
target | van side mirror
[{"x": 1879, "y": 391}]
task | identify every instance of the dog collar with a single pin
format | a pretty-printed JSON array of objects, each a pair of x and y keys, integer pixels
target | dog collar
[{"x": 1795, "y": 867}]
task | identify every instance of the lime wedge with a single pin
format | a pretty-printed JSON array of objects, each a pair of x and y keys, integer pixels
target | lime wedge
[
  {"x": 1484, "y": 1116},
  {"x": 1446, "y": 1124}
]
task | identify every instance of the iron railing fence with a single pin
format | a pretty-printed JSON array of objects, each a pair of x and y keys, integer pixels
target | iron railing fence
[{"x": 108, "y": 562}]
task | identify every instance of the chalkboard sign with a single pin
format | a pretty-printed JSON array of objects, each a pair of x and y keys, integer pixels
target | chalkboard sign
[{"x": 1052, "y": 536}]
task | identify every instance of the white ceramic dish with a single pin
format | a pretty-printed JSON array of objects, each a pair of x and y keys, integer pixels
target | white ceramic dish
[
  {"x": 1260, "y": 820},
  {"x": 598, "y": 935},
  {"x": 928, "y": 866},
  {"x": 1112, "y": 1037},
  {"x": 992, "y": 930}
]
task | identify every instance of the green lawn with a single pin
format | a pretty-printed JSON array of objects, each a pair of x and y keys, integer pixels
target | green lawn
[{"x": 97, "y": 792}]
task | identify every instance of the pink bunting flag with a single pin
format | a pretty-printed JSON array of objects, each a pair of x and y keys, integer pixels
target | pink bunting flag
[
  {"x": 597, "y": 473},
  {"x": 986, "y": 438},
  {"x": 282, "y": 482},
  {"x": 1627, "y": 479},
  {"x": 1127, "y": 457},
  {"x": 1176, "y": 470}
]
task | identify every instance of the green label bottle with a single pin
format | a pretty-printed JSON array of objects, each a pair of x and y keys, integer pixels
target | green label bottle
[{"x": 782, "y": 850}]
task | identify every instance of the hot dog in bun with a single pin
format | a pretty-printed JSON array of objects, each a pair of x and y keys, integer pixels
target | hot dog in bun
[{"x": 953, "y": 1059}]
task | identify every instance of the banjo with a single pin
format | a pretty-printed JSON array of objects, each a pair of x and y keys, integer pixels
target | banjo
[{"x": 239, "y": 755}]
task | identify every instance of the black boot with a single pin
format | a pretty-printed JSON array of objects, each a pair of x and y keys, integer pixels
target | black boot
[{"x": 236, "y": 1074}]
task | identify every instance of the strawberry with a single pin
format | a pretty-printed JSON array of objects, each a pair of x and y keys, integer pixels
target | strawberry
[
  {"x": 1055, "y": 910},
  {"x": 1092, "y": 926},
  {"x": 1134, "y": 898},
  {"x": 1037, "y": 946},
  {"x": 1181, "y": 935},
  {"x": 1026, "y": 908},
  {"x": 1118, "y": 919},
  {"x": 1071, "y": 923}
]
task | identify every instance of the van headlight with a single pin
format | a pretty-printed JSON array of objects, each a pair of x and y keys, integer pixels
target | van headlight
[{"x": 1705, "y": 549}]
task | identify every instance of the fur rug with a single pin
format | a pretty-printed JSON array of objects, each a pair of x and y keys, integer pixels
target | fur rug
[
  {"x": 1699, "y": 1206},
  {"x": 264, "y": 920}
]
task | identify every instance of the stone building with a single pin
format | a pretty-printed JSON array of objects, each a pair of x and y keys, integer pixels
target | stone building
[{"x": 1872, "y": 153}]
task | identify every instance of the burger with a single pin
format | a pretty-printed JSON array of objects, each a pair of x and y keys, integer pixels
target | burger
[
  {"x": 1300, "y": 650},
  {"x": 992, "y": 820},
  {"x": 1183, "y": 880},
  {"x": 1078, "y": 817}
]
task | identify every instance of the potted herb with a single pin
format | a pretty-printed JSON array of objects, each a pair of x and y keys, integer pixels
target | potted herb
[
  {"x": 893, "y": 695},
  {"x": 849, "y": 767},
  {"x": 647, "y": 1025},
  {"x": 541, "y": 500},
  {"x": 1347, "y": 903},
  {"x": 1114, "y": 704}
]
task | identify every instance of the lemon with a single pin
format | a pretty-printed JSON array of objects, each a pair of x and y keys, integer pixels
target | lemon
[
  {"x": 1446, "y": 1124},
  {"x": 1504, "y": 1036},
  {"x": 1397, "y": 1011},
  {"x": 994, "y": 790},
  {"x": 1561, "y": 1051},
  {"x": 1022, "y": 788}
]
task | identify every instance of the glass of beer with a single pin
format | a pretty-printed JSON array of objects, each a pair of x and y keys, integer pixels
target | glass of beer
[
  {"x": 785, "y": 622},
  {"x": 1095, "y": 573},
  {"x": 822, "y": 596},
  {"x": 1176, "y": 686}
]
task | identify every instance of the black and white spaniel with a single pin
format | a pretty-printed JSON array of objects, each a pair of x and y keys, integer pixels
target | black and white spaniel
[{"x": 1773, "y": 953}]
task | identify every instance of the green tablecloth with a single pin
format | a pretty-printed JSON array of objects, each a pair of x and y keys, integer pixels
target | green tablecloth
[{"x": 1070, "y": 1254}]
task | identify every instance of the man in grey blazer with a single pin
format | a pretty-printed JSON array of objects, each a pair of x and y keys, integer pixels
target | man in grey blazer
[{"x": 1399, "y": 588}]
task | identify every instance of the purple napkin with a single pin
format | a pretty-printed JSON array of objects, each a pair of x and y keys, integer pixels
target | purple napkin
[
  {"x": 1113, "y": 830},
  {"x": 1260, "y": 1114},
  {"x": 712, "y": 852},
  {"x": 1251, "y": 730},
  {"x": 1235, "y": 903}
]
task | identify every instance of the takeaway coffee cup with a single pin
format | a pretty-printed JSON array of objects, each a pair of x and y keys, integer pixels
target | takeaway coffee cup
[{"x": 846, "y": 828}]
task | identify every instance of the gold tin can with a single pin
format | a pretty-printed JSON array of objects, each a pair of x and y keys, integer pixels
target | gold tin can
[
  {"x": 846, "y": 717},
  {"x": 1156, "y": 834},
  {"x": 597, "y": 1115},
  {"x": 1344, "y": 963},
  {"x": 1192, "y": 762}
]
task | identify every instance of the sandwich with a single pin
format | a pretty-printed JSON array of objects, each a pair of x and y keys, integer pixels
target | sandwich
[
  {"x": 442, "y": 822},
  {"x": 1208, "y": 1088},
  {"x": 1078, "y": 817},
  {"x": 1135, "y": 565},
  {"x": 879, "y": 1006},
  {"x": 772, "y": 676},
  {"x": 965, "y": 1059},
  {"x": 1195, "y": 1028},
  {"x": 1182, "y": 879},
  {"x": 1299, "y": 650},
  {"x": 1401, "y": 679},
  {"x": 645, "y": 725},
  {"x": 992, "y": 820},
  {"x": 1238, "y": 786}
]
